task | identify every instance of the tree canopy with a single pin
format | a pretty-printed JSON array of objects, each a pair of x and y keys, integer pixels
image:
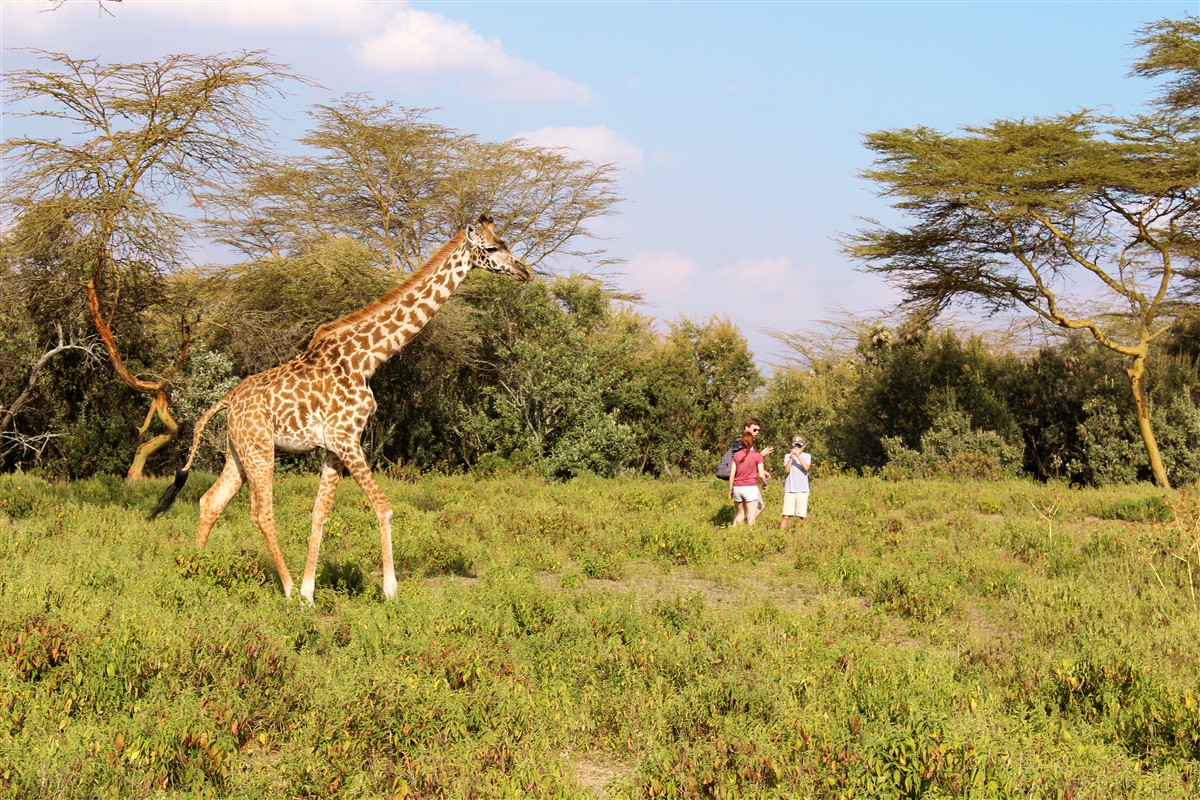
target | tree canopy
[
  {"x": 1172, "y": 48},
  {"x": 402, "y": 185},
  {"x": 1083, "y": 219}
]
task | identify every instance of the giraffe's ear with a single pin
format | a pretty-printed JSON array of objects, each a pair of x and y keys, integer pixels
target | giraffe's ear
[{"x": 473, "y": 237}]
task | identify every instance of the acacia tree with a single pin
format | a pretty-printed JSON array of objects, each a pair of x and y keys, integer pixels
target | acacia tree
[
  {"x": 1173, "y": 49},
  {"x": 387, "y": 177},
  {"x": 123, "y": 147},
  {"x": 1057, "y": 216}
]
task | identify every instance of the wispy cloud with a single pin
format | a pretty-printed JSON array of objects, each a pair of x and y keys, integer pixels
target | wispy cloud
[
  {"x": 411, "y": 47},
  {"x": 597, "y": 143},
  {"x": 659, "y": 276},
  {"x": 346, "y": 19},
  {"x": 422, "y": 46},
  {"x": 755, "y": 275}
]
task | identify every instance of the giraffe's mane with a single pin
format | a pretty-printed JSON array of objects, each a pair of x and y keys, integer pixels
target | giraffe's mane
[{"x": 432, "y": 265}]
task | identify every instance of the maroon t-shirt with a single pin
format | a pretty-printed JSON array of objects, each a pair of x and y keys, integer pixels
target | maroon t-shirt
[{"x": 747, "y": 467}]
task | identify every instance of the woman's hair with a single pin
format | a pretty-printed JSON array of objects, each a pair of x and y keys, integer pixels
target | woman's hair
[{"x": 748, "y": 440}]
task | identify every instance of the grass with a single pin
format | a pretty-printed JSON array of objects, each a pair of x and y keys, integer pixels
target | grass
[{"x": 604, "y": 639}]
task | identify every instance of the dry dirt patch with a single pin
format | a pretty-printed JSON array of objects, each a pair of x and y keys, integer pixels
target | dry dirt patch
[{"x": 596, "y": 772}]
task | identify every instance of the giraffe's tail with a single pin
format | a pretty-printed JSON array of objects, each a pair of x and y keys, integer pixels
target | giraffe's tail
[
  {"x": 168, "y": 496},
  {"x": 181, "y": 475}
]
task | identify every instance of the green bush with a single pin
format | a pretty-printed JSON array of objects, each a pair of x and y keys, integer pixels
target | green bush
[
  {"x": 1112, "y": 451},
  {"x": 1149, "y": 509},
  {"x": 952, "y": 449}
]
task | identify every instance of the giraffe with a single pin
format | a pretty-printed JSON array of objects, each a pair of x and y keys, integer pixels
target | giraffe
[{"x": 321, "y": 398}]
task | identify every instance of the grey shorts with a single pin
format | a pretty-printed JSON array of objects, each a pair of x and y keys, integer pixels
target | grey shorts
[{"x": 746, "y": 494}]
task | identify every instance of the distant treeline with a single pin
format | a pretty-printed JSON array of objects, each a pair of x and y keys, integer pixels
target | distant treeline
[
  {"x": 110, "y": 350},
  {"x": 563, "y": 377}
]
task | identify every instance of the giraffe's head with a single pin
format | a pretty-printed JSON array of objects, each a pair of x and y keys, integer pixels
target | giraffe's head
[{"x": 488, "y": 251}]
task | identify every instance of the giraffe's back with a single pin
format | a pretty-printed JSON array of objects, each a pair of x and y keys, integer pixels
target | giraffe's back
[{"x": 300, "y": 405}]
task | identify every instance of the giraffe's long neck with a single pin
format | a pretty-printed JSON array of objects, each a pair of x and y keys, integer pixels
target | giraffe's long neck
[{"x": 370, "y": 336}]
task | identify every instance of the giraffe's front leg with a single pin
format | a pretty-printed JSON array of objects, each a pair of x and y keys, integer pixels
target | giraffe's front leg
[
  {"x": 360, "y": 470},
  {"x": 331, "y": 474}
]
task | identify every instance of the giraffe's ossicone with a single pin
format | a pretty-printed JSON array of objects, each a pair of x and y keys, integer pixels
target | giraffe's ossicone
[{"x": 321, "y": 399}]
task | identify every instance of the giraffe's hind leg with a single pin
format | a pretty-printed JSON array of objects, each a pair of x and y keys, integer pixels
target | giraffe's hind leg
[
  {"x": 360, "y": 470},
  {"x": 218, "y": 496},
  {"x": 259, "y": 468},
  {"x": 331, "y": 474}
]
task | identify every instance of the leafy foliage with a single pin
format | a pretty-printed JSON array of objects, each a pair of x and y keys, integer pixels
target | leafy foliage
[
  {"x": 402, "y": 185},
  {"x": 909, "y": 384},
  {"x": 953, "y": 449}
]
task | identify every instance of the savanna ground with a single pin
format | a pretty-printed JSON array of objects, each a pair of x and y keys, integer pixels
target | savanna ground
[{"x": 604, "y": 638}]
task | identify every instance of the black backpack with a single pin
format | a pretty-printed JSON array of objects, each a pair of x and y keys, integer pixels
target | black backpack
[{"x": 726, "y": 465}]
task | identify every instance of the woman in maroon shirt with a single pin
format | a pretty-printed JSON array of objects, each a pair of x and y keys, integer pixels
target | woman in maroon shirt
[{"x": 744, "y": 477}]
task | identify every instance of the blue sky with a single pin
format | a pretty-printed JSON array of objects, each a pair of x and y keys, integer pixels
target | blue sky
[{"x": 737, "y": 126}]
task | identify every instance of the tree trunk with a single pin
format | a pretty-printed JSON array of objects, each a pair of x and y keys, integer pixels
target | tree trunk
[
  {"x": 1137, "y": 381},
  {"x": 158, "y": 407}
]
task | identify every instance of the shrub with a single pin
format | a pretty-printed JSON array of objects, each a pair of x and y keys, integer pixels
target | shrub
[
  {"x": 1149, "y": 509},
  {"x": 1177, "y": 430},
  {"x": 951, "y": 448},
  {"x": 208, "y": 377},
  {"x": 1112, "y": 451}
]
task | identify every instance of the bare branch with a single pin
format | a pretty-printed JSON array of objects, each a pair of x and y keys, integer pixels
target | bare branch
[{"x": 88, "y": 346}]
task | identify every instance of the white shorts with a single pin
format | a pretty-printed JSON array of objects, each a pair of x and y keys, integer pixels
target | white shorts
[
  {"x": 746, "y": 494},
  {"x": 795, "y": 504}
]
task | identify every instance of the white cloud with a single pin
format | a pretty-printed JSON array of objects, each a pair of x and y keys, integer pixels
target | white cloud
[
  {"x": 749, "y": 275},
  {"x": 422, "y": 46},
  {"x": 660, "y": 276},
  {"x": 347, "y": 18},
  {"x": 597, "y": 143},
  {"x": 409, "y": 46}
]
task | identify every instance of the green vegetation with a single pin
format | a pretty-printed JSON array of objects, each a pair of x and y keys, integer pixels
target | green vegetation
[{"x": 604, "y": 637}]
